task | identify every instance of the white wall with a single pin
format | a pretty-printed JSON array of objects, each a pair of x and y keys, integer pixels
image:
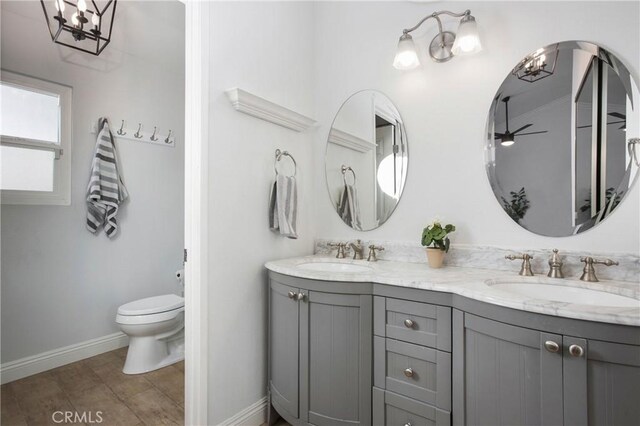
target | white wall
[
  {"x": 61, "y": 284},
  {"x": 445, "y": 107},
  {"x": 265, "y": 48}
]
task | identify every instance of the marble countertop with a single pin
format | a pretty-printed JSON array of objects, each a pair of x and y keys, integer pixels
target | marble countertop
[{"x": 476, "y": 284}]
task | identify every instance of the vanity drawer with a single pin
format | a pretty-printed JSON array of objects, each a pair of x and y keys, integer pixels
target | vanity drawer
[
  {"x": 414, "y": 322},
  {"x": 391, "y": 409},
  {"x": 415, "y": 371}
]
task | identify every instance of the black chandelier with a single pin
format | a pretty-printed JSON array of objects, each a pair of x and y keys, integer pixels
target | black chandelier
[
  {"x": 80, "y": 24},
  {"x": 538, "y": 65}
]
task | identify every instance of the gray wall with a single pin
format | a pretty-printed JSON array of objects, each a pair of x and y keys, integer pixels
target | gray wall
[
  {"x": 62, "y": 285},
  {"x": 540, "y": 164}
]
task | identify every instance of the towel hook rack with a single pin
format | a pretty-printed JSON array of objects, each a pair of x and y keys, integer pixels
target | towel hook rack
[
  {"x": 121, "y": 131},
  {"x": 346, "y": 169},
  {"x": 137, "y": 134},
  {"x": 153, "y": 136},
  {"x": 168, "y": 138},
  {"x": 279, "y": 155}
]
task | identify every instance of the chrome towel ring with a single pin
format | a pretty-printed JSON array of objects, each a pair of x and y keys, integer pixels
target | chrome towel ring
[
  {"x": 346, "y": 169},
  {"x": 279, "y": 155}
]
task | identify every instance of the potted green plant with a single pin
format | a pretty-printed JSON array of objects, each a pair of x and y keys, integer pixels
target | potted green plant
[{"x": 436, "y": 241}]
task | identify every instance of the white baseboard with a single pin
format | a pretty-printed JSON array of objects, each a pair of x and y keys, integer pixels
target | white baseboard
[
  {"x": 24, "y": 367},
  {"x": 253, "y": 415}
]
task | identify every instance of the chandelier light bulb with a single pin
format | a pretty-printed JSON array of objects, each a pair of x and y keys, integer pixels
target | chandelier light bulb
[
  {"x": 95, "y": 19},
  {"x": 82, "y": 5},
  {"x": 74, "y": 19},
  {"x": 59, "y": 5}
]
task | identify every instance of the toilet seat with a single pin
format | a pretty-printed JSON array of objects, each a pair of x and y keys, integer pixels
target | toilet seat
[
  {"x": 152, "y": 305},
  {"x": 148, "y": 319}
]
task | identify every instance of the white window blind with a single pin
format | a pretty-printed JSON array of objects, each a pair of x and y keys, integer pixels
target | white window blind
[{"x": 35, "y": 141}]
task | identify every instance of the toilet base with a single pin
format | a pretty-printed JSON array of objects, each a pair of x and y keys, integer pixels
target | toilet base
[{"x": 151, "y": 353}]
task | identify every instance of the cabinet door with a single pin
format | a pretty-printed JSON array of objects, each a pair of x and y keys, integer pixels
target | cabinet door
[
  {"x": 503, "y": 375},
  {"x": 601, "y": 384},
  {"x": 335, "y": 369},
  {"x": 283, "y": 347}
]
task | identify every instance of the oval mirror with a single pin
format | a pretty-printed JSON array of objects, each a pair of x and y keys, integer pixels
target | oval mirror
[
  {"x": 366, "y": 160},
  {"x": 562, "y": 151}
]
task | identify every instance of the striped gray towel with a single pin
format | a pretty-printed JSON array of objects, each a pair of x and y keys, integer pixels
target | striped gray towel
[
  {"x": 349, "y": 208},
  {"x": 283, "y": 206},
  {"x": 106, "y": 190}
]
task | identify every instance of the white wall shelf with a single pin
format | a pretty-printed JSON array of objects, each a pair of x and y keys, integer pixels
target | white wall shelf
[
  {"x": 256, "y": 106},
  {"x": 350, "y": 141}
]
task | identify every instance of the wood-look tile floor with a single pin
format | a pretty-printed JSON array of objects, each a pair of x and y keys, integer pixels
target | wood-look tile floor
[{"x": 96, "y": 385}]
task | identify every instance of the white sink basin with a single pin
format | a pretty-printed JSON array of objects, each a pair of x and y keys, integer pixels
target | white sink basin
[
  {"x": 333, "y": 267},
  {"x": 562, "y": 293}
]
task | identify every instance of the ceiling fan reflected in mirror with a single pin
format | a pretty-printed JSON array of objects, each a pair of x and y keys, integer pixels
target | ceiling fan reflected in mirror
[{"x": 508, "y": 138}]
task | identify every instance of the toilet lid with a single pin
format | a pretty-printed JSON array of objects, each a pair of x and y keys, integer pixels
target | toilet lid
[{"x": 152, "y": 305}]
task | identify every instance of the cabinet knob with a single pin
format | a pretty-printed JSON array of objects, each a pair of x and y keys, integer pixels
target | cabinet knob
[
  {"x": 300, "y": 296},
  {"x": 551, "y": 346},
  {"x": 409, "y": 323},
  {"x": 291, "y": 295},
  {"x": 407, "y": 424},
  {"x": 408, "y": 372},
  {"x": 576, "y": 351}
]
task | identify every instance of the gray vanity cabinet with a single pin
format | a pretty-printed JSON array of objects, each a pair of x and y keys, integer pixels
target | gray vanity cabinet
[
  {"x": 350, "y": 353},
  {"x": 510, "y": 375},
  {"x": 335, "y": 359},
  {"x": 320, "y": 355},
  {"x": 283, "y": 347},
  {"x": 503, "y": 375},
  {"x": 601, "y": 386}
]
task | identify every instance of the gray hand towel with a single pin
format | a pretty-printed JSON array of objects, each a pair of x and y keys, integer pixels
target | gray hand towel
[
  {"x": 106, "y": 190},
  {"x": 349, "y": 208},
  {"x": 283, "y": 206}
]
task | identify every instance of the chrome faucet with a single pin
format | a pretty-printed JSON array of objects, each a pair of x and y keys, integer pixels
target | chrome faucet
[
  {"x": 372, "y": 253},
  {"x": 358, "y": 250},
  {"x": 525, "y": 269},
  {"x": 555, "y": 265},
  {"x": 589, "y": 272},
  {"x": 341, "y": 249}
]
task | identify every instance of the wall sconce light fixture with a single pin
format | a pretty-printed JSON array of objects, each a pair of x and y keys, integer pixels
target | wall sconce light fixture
[
  {"x": 536, "y": 66},
  {"x": 86, "y": 27},
  {"x": 444, "y": 46}
]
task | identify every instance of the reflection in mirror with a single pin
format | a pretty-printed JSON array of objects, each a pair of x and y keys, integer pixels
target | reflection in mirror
[
  {"x": 366, "y": 160},
  {"x": 560, "y": 138}
]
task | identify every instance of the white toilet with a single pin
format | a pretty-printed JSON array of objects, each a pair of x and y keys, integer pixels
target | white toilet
[{"x": 155, "y": 327}]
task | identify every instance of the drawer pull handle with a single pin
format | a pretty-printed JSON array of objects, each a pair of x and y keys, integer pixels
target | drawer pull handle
[
  {"x": 408, "y": 372},
  {"x": 551, "y": 346},
  {"x": 576, "y": 351},
  {"x": 409, "y": 323}
]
